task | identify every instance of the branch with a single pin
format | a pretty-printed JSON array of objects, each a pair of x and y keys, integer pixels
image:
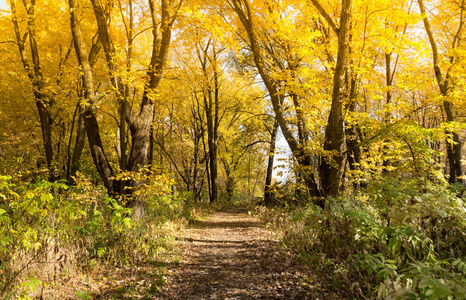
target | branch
[
  {"x": 173, "y": 162},
  {"x": 326, "y": 16},
  {"x": 6, "y": 42},
  {"x": 255, "y": 143},
  {"x": 142, "y": 31}
]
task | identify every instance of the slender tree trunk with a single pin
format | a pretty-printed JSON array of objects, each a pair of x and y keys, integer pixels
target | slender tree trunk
[
  {"x": 207, "y": 167},
  {"x": 46, "y": 127},
  {"x": 354, "y": 150},
  {"x": 196, "y": 152},
  {"x": 268, "y": 194},
  {"x": 122, "y": 136},
  {"x": 212, "y": 142},
  {"x": 150, "y": 160},
  {"x": 124, "y": 104},
  {"x": 195, "y": 166},
  {"x": 43, "y": 101},
  {"x": 229, "y": 184},
  {"x": 198, "y": 116},
  {"x": 79, "y": 145},
  {"x": 389, "y": 80}
]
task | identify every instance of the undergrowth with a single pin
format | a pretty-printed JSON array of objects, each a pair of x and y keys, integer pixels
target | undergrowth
[
  {"x": 396, "y": 240},
  {"x": 52, "y": 232}
]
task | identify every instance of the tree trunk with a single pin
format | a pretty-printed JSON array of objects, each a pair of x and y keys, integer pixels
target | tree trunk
[
  {"x": 388, "y": 80},
  {"x": 43, "y": 101},
  {"x": 207, "y": 167},
  {"x": 140, "y": 134},
  {"x": 46, "y": 127},
  {"x": 268, "y": 194},
  {"x": 197, "y": 139},
  {"x": 454, "y": 149},
  {"x": 87, "y": 106},
  {"x": 140, "y": 125},
  {"x": 332, "y": 166},
  {"x": 230, "y": 186},
  {"x": 212, "y": 142},
  {"x": 79, "y": 145},
  {"x": 81, "y": 128},
  {"x": 354, "y": 150},
  {"x": 211, "y": 104}
]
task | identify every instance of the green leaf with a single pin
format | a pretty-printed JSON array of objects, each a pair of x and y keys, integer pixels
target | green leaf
[
  {"x": 100, "y": 252},
  {"x": 46, "y": 197},
  {"x": 429, "y": 292}
]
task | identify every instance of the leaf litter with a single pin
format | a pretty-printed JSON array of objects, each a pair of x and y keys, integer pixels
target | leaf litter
[{"x": 231, "y": 255}]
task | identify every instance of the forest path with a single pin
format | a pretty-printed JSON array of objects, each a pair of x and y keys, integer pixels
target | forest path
[{"x": 232, "y": 256}]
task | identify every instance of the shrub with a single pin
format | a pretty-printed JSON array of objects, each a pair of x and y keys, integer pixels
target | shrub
[
  {"x": 398, "y": 239},
  {"x": 51, "y": 231}
]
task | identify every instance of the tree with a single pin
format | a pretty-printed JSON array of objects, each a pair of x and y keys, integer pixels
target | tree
[
  {"x": 44, "y": 98},
  {"x": 331, "y": 169},
  {"x": 211, "y": 98},
  {"x": 139, "y": 123},
  {"x": 277, "y": 96},
  {"x": 446, "y": 85},
  {"x": 88, "y": 103}
]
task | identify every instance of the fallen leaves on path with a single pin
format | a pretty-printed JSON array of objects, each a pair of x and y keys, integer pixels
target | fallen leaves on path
[{"x": 232, "y": 256}]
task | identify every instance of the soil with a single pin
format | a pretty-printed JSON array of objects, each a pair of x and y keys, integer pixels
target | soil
[{"x": 232, "y": 256}]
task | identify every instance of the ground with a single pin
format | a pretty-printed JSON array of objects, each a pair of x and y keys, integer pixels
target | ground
[{"x": 229, "y": 255}]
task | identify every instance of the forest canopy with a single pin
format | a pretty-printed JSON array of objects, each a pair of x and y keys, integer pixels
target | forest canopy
[{"x": 198, "y": 89}]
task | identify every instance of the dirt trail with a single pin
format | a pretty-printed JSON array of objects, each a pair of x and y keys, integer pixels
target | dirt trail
[{"x": 232, "y": 256}]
